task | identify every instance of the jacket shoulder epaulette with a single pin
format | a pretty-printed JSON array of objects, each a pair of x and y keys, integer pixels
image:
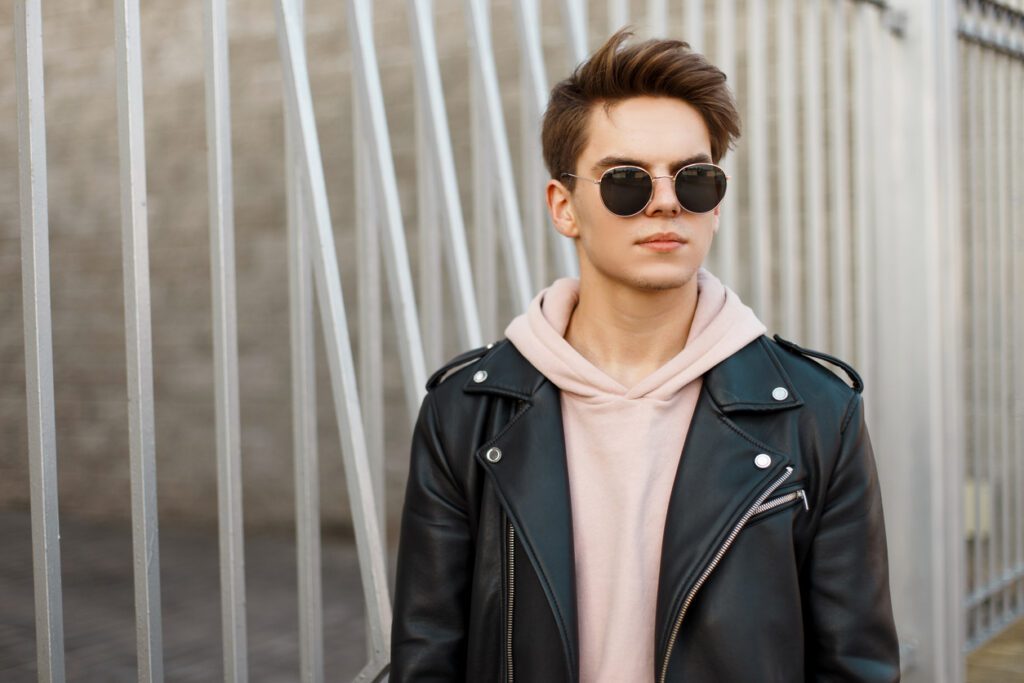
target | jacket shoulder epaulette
[
  {"x": 858, "y": 384},
  {"x": 458, "y": 361}
]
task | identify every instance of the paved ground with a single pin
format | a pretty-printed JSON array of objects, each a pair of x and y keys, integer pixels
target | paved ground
[
  {"x": 1001, "y": 660},
  {"x": 99, "y": 621}
]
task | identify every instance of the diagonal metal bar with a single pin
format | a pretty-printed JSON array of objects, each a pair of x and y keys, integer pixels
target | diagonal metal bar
[
  {"x": 534, "y": 101},
  {"x": 574, "y": 16},
  {"x": 512, "y": 226},
  {"x": 35, "y": 274},
  {"x": 138, "y": 340},
  {"x": 225, "y": 342},
  {"x": 396, "y": 260},
  {"x": 298, "y": 99},
  {"x": 428, "y": 218},
  {"x": 429, "y": 75},
  {"x": 486, "y": 219}
]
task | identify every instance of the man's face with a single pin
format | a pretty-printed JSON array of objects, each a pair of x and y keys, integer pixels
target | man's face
[{"x": 660, "y": 134}]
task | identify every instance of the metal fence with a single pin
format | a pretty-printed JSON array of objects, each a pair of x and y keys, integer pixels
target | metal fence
[
  {"x": 878, "y": 216},
  {"x": 991, "y": 47}
]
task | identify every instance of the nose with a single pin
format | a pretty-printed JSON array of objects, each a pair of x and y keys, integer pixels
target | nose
[{"x": 664, "y": 200}]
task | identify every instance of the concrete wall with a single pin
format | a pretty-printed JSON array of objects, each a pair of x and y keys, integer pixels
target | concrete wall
[{"x": 85, "y": 245}]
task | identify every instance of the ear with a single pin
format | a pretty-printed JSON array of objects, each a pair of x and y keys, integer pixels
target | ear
[{"x": 560, "y": 207}]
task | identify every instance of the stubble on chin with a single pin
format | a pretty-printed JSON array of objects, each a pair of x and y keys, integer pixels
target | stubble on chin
[{"x": 659, "y": 284}]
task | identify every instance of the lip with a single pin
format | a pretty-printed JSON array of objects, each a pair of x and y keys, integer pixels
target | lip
[
  {"x": 662, "y": 245},
  {"x": 662, "y": 237},
  {"x": 663, "y": 241}
]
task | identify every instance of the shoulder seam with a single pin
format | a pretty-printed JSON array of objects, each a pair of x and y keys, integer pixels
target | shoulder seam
[
  {"x": 461, "y": 359},
  {"x": 858, "y": 383}
]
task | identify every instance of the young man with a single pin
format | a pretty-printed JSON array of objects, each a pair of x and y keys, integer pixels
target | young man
[{"x": 637, "y": 484}]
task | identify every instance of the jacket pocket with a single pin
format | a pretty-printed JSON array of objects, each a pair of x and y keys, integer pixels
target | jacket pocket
[
  {"x": 510, "y": 594},
  {"x": 777, "y": 503}
]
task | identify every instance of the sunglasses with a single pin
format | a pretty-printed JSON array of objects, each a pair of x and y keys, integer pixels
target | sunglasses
[{"x": 627, "y": 190}]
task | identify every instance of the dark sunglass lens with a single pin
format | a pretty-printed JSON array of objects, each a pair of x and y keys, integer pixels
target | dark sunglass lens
[
  {"x": 700, "y": 187},
  {"x": 625, "y": 191}
]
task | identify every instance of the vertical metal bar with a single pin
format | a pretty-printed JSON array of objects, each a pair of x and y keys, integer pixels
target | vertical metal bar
[
  {"x": 536, "y": 95},
  {"x": 138, "y": 339},
  {"x": 305, "y": 447},
  {"x": 951, "y": 305},
  {"x": 657, "y": 18},
  {"x": 1017, "y": 182},
  {"x": 977, "y": 246},
  {"x": 728, "y": 241},
  {"x": 225, "y": 342},
  {"x": 35, "y": 277},
  {"x": 618, "y": 15},
  {"x": 788, "y": 172},
  {"x": 839, "y": 224},
  {"x": 512, "y": 227},
  {"x": 437, "y": 140},
  {"x": 760, "y": 223},
  {"x": 402, "y": 298},
  {"x": 988, "y": 306},
  {"x": 1001, "y": 76},
  {"x": 693, "y": 24},
  {"x": 814, "y": 170},
  {"x": 298, "y": 97},
  {"x": 863, "y": 186}
]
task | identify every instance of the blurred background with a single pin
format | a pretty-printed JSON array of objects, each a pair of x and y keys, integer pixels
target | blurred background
[{"x": 237, "y": 237}]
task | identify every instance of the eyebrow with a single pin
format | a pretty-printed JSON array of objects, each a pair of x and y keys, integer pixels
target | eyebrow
[{"x": 610, "y": 161}]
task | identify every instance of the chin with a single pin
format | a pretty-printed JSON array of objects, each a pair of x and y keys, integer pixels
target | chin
[{"x": 652, "y": 281}]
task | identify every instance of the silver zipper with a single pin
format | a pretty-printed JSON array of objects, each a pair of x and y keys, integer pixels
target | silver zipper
[
  {"x": 775, "y": 502},
  {"x": 511, "y": 596},
  {"x": 714, "y": 563}
]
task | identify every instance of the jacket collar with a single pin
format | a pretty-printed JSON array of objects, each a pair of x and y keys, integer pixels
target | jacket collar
[
  {"x": 746, "y": 380},
  {"x": 716, "y": 468}
]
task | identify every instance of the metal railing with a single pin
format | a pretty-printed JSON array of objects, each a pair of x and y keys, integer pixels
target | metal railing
[
  {"x": 861, "y": 102},
  {"x": 991, "y": 41}
]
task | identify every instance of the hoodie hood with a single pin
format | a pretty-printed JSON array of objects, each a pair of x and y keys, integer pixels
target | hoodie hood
[{"x": 722, "y": 325}]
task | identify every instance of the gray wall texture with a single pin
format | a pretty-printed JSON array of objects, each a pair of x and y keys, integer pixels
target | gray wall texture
[{"x": 85, "y": 245}]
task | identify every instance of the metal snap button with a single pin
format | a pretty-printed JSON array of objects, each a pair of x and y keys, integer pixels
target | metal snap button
[
  {"x": 493, "y": 454},
  {"x": 780, "y": 393},
  {"x": 763, "y": 460},
  {"x": 480, "y": 376},
  {"x": 490, "y": 345}
]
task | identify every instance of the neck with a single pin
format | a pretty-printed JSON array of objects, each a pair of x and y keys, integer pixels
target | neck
[{"x": 628, "y": 331}]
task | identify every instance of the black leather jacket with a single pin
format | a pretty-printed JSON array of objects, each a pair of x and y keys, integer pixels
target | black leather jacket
[{"x": 773, "y": 565}]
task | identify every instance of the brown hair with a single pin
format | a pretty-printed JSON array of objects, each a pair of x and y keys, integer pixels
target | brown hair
[{"x": 653, "y": 67}]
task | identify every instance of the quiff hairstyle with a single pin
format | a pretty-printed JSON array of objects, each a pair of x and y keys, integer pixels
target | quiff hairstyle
[{"x": 667, "y": 68}]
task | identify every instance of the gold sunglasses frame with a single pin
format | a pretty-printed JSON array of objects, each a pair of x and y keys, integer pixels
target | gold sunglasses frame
[{"x": 597, "y": 181}]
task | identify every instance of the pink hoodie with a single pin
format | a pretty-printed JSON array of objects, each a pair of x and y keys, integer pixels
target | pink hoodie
[{"x": 623, "y": 446}]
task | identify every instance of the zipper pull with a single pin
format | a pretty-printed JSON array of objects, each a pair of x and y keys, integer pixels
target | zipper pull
[{"x": 803, "y": 495}]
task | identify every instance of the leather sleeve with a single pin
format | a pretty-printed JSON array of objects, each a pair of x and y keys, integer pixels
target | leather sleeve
[
  {"x": 428, "y": 630},
  {"x": 851, "y": 634}
]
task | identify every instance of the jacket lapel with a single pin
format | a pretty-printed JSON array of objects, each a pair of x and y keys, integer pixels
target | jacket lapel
[
  {"x": 716, "y": 480},
  {"x": 532, "y": 481}
]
